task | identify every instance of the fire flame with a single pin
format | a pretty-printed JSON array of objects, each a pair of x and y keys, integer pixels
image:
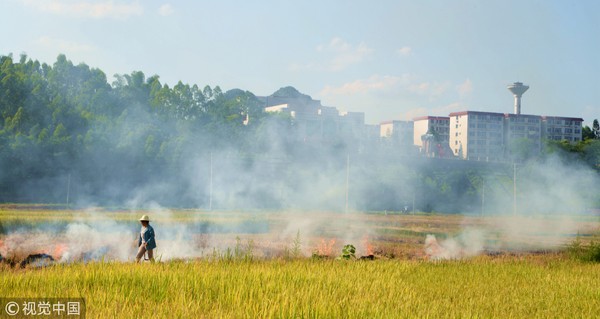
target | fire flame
[
  {"x": 368, "y": 246},
  {"x": 325, "y": 248},
  {"x": 59, "y": 250},
  {"x": 432, "y": 248}
]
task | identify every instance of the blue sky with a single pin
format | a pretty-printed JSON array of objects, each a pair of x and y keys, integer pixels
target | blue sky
[{"x": 389, "y": 59}]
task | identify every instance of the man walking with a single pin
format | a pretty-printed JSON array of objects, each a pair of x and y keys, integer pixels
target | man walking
[{"x": 146, "y": 242}]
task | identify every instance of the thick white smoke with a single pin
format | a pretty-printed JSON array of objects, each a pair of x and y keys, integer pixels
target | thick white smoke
[{"x": 553, "y": 203}]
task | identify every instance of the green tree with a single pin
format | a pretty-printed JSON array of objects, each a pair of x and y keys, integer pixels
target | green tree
[
  {"x": 587, "y": 133},
  {"x": 591, "y": 153}
]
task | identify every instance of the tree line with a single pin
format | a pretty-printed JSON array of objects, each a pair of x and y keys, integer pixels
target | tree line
[{"x": 65, "y": 119}]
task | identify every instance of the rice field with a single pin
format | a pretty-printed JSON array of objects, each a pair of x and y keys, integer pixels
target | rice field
[
  {"x": 269, "y": 265},
  {"x": 531, "y": 287}
]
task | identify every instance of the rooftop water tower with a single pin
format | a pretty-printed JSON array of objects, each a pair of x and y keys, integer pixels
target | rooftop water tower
[{"x": 517, "y": 90}]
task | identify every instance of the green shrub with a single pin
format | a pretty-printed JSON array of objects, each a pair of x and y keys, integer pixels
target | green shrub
[
  {"x": 585, "y": 252},
  {"x": 348, "y": 252}
]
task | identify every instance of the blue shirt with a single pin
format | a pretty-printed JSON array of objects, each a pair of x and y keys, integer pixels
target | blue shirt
[{"x": 148, "y": 238}]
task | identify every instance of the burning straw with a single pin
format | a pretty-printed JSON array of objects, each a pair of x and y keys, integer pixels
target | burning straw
[{"x": 467, "y": 244}]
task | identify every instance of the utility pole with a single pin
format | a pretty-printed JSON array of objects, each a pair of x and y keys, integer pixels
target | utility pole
[
  {"x": 347, "y": 179},
  {"x": 68, "y": 189},
  {"x": 210, "y": 196},
  {"x": 515, "y": 189},
  {"x": 482, "y": 196}
]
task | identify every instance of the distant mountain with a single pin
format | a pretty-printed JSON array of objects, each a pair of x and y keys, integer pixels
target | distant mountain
[
  {"x": 289, "y": 95},
  {"x": 290, "y": 92},
  {"x": 233, "y": 93}
]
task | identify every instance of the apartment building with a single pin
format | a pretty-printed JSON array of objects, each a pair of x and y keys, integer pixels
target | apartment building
[
  {"x": 477, "y": 135},
  {"x": 439, "y": 126},
  {"x": 306, "y": 117},
  {"x": 397, "y": 132},
  {"x": 322, "y": 123},
  {"x": 473, "y": 135},
  {"x": 561, "y": 128},
  {"x": 520, "y": 127}
]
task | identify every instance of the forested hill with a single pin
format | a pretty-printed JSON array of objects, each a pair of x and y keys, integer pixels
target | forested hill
[{"x": 64, "y": 119}]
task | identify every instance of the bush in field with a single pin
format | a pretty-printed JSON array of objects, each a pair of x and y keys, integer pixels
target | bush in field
[
  {"x": 581, "y": 251},
  {"x": 348, "y": 252}
]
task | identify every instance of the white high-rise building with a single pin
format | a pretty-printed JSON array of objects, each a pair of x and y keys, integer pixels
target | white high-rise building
[
  {"x": 439, "y": 126},
  {"x": 562, "y": 128},
  {"x": 477, "y": 135},
  {"x": 522, "y": 128}
]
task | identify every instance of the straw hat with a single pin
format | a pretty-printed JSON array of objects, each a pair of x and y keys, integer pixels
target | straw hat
[{"x": 145, "y": 218}]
